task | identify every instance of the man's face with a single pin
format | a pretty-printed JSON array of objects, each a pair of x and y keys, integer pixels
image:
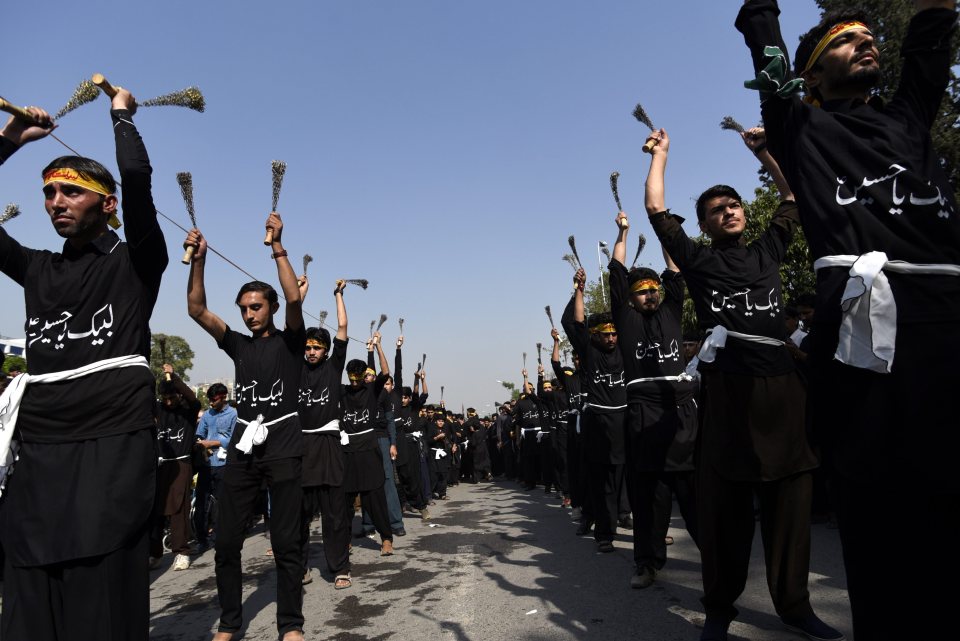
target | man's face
[
  {"x": 170, "y": 400},
  {"x": 369, "y": 377},
  {"x": 689, "y": 349},
  {"x": 76, "y": 212},
  {"x": 605, "y": 341},
  {"x": 256, "y": 312},
  {"x": 646, "y": 301},
  {"x": 405, "y": 400},
  {"x": 314, "y": 353},
  {"x": 219, "y": 401},
  {"x": 806, "y": 314},
  {"x": 723, "y": 218},
  {"x": 851, "y": 62}
]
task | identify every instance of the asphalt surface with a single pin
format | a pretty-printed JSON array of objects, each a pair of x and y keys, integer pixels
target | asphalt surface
[{"x": 494, "y": 563}]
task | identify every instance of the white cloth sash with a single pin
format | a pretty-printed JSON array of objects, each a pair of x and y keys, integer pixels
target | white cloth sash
[
  {"x": 440, "y": 452},
  {"x": 717, "y": 339},
  {"x": 161, "y": 460},
  {"x": 332, "y": 426},
  {"x": 415, "y": 434},
  {"x": 541, "y": 434},
  {"x": 345, "y": 436},
  {"x": 868, "y": 329},
  {"x": 12, "y": 397},
  {"x": 255, "y": 432},
  {"x": 677, "y": 378}
]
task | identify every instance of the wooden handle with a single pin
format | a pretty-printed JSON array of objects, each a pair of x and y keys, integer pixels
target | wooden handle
[
  {"x": 188, "y": 255},
  {"x": 648, "y": 146},
  {"x": 268, "y": 239},
  {"x": 166, "y": 376},
  {"x": 104, "y": 85},
  {"x": 19, "y": 112}
]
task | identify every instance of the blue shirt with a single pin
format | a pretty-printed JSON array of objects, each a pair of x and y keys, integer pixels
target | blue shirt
[{"x": 217, "y": 426}]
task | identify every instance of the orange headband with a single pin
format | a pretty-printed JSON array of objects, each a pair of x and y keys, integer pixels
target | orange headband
[
  {"x": 312, "y": 342},
  {"x": 646, "y": 283},
  {"x": 603, "y": 328}
]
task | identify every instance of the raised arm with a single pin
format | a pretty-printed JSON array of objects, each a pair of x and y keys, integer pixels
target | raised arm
[
  {"x": 398, "y": 364},
  {"x": 675, "y": 242},
  {"x": 341, "y": 310},
  {"x": 196, "y": 290},
  {"x": 756, "y": 141},
  {"x": 384, "y": 365},
  {"x": 293, "y": 310}
]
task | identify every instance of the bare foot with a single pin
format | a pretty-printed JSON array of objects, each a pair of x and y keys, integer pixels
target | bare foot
[
  {"x": 223, "y": 636},
  {"x": 293, "y": 635}
]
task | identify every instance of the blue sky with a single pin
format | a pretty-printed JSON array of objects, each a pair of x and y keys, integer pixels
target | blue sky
[{"x": 443, "y": 150}]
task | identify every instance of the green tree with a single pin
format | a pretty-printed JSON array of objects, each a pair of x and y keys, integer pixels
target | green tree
[
  {"x": 512, "y": 388},
  {"x": 889, "y": 20},
  {"x": 14, "y": 362},
  {"x": 170, "y": 349},
  {"x": 593, "y": 301}
]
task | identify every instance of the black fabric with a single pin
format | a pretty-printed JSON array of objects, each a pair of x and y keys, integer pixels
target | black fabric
[
  {"x": 374, "y": 503},
  {"x": 177, "y": 426},
  {"x": 330, "y": 503},
  {"x": 866, "y": 175},
  {"x": 737, "y": 285},
  {"x": 651, "y": 494},
  {"x": 89, "y": 304},
  {"x": 173, "y": 503},
  {"x": 363, "y": 470},
  {"x": 100, "y": 598},
  {"x": 602, "y": 438},
  {"x": 209, "y": 479},
  {"x": 361, "y": 406},
  {"x": 320, "y": 388},
  {"x": 603, "y": 505},
  {"x": 267, "y": 382},
  {"x": 601, "y": 373}
]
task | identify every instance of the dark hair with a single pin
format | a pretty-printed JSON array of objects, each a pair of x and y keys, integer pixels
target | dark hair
[
  {"x": 714, "y": 192},
  {"x": 356, "y": 367},
  {"x": 806, "y": 300},
  {"x": 216, "y": 389},
  {"x": 471, "y": 410},
  {"x": 165, "y": 387},
  {"x": 599, "y": 319},
  {"x": 642, "y": 273},
  {"x": 406, "y": 391},
  {"x": 258, "y": 286},
  {"x": 88, "y": 169},
  {"x": 319, "y": 334},
  {"x": 809, "y": 40},
  {"x": 790, "y": 311}
]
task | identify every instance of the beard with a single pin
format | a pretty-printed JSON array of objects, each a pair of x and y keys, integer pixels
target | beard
[{"x": 863, "y": 79}]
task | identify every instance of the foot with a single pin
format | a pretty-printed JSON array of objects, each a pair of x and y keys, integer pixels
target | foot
[
  {"x": 223, "y": 636},
  {"x": 643, "y": 578},
  {"x": 400, "y": 532},
  {"x": 625, "y": 522},
  {"x": 342, "y": 582},
  {"x": 668, "y": 540},
  {"x": 566, "y": 502},
  {"x": 154, "y": 563},
  {"x": 714, "y": 630},
  {"x": 386, "y": 548},
  {"x": 585, "y": 527},
  {"x": 605, "y": 547},
  {"x": 813, "y": 628},
  {"x": 293, "y": 635},
  {"x": 307, "y": 578},
  {"x": 182, "y": 562},
  {"x": 425, "y": 514}
]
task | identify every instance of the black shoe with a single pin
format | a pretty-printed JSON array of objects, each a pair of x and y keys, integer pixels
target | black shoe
[
  {"x": 814, "y": 628},
  {"x": 714, "y": 630},
  {"x": 605, "y": 547},
  {"x": 400, "y": 532},
  {"x": 643, "y": 578},
  {"x": 626, "y": 522},
  {"x": 585, "y": 526}
]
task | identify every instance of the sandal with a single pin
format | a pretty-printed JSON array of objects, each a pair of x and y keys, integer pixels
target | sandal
[
  {"x": 387, "y": 548},
  {"x": 342, "y": 582}
]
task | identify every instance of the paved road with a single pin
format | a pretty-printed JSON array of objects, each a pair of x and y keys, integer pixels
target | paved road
[{"x": 494, "y": 564}]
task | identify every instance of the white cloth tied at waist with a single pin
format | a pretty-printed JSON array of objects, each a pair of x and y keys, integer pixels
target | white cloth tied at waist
[
  {"x": 440, "y": 452},
  {"x": 868, "y": 329},
  {"x": 256, "y": 432},
  {"x": 717, "y": 339},
  {"x": 676, "y": 379},
  {"x": 541, "y": 434},
  {"x": 161, "y": 460},
  {"x": 12, "y": 397},
  {"x": 415, "y": 434},
  {"x": 345, "y": 436},
  {"x": 525, "y": 430},
  {"x": 332, "y": 426}
]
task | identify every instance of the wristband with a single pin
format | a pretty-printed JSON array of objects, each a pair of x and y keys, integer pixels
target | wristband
[{"x": 280, "y": 254}]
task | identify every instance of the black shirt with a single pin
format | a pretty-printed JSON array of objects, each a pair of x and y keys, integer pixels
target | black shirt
[
  {"x": 267, "y": 382},
  {"x": 320, "y": 389},
  {"x": 361, "y": 406},
  {"x": 866, "y": 175},
  {"x": 177, "y": 426},
  {"x": 651, "y": 344},
  {"x": 737, "y": 285},
  {"x": 571, "y": 383},
  {"x": 601, "y": 373},
  {"x": 90, "y": 304}
]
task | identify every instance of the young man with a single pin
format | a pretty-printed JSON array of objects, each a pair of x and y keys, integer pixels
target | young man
[
  {"x": 268, "y": 446},
  {"x": 530, "y": 422},
  {"x": 569, "y": 451},
  {"x": 323, "y": 464},
  {"x": 753, "y": 438},
  {"x": 602, "y": 427},
  {"x": 662, "y": 414},
  {"x": 883, "y": 226},
  {"x": 214, "y": 433},
  {"x": 176, "y": 437},
  {"x": 438, "y": 457},
  {"x": 75, "y": 515}
]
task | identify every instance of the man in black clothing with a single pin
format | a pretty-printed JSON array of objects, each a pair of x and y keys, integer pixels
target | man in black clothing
[
  {"x": 529, "y": 424},
  {"x": 438, "y": 454},
  {"x": 602, "y": 428},
  {"x": 267, "y": 445},
  {"x": 569, "y": 452},
  {"x": 753, "y": 438},
  {"x": 882, "y": 223},
  {"x": 322, "y": 454},
  {"x": 75, "y": 531},
  {"x": 176, "y": 436},
  {"x": 410, "y": 455},
  {"x": 477, "y": 428},
  {"x": 546, "y": 442},
  {"x": 662, "y": 414}
]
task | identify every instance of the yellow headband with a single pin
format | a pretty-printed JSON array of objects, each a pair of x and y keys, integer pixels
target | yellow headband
[
  {"x": 603, "y": 328},
  {"x": 833, "y": 34},
  {"x": 355, "y": 377},
  {"x": 73, "y": 177},
  {"x": 646, "y": 283},
  {"x": 312, "y": 342},
  {"x": 369, "y": 372}
]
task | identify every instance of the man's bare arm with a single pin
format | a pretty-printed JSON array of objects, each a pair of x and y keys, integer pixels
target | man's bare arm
[{"x": 196, "y": 290}]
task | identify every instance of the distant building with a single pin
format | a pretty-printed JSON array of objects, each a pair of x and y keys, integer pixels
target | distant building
[
  {"x": 13, "y": 346},
  {"x": 202, "y": 387}
]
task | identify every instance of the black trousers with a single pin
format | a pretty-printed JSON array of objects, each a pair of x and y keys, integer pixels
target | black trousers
[
  {"x": 439, "y": 469},
  {"x": 576, "y": 467},
  {"x": 329, "y": 501},
  {"x": 726, "y": 525},
  {"x": 545, "y": 453},
  {"x": 603, "y": 490},
  {"x": 509, "y": 457},
  {"x": 209, "y": 479},
  {"x": 887, "y": 597},
  {"x": 241, "y": 486},
  {"x": 103, "y": 598},
  {"x": 374, "y": 503},
  {"x": 530, "y": 459},
  {"x": 559, "y": 443},
  {"x": 409, "y": 477},
  {"x": 651, "y": 500}
]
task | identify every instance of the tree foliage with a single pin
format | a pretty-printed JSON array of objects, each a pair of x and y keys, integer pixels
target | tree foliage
[
  {"x": 14, "y": 362},
  {"x": 177, "y": 353},
  {"x": 890, "y": 19}
]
